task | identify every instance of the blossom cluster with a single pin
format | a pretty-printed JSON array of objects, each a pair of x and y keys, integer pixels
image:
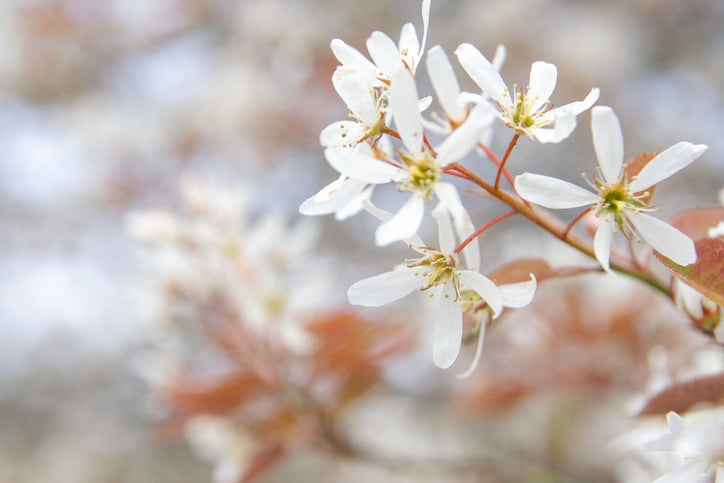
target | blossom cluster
[
  {"x": 386, "y": 141},
  {"x": 250, "y": 356}
]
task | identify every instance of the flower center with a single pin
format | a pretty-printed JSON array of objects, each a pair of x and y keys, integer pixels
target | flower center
[
  {"x": 521, "y": 113},
  {"x": 422, "y": 175},
  {"x": 617, "y": 200},
  {"x": 436, "y": 267}
]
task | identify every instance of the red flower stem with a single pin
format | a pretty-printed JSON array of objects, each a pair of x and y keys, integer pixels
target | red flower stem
[
  {"x": 576, "y": 220},
  {"x": 483, "y": 228},
  {"x": 497, "y": 162},
  {"x": 556, "y": 228},
  {"x": 512, "y": 144}
]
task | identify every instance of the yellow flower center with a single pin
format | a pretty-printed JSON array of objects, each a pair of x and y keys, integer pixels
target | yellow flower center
[
  {"x": 423, "y": 173},
  {"x": 437, "y": 268}
]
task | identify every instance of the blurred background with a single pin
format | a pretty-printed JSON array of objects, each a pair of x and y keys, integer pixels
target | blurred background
[{"x": 106, "y": 105}]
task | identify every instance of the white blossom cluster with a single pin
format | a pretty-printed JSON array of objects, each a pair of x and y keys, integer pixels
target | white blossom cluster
[{"x": 386, "y": 141}]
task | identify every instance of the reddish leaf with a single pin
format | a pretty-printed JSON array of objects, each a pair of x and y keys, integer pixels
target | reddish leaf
[
  {"x": 696, "y": 222},
  {"x": 707, "y": 274},
  {"x": 685, "y": 395},
  {"x": 519, "y": 270},
  {"x": 214, "y": 397}
]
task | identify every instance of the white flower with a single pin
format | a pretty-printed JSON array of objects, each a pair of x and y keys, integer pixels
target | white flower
[
  {"x": 342, "y": 196},
  {"x": 513, "y": 295},
  {"x": 528, "y": 112},
  {"x": 437, "y": 271},
  {"x": 454, "y": 103},
  {"x": 388, "y": 58},
  {"x": 420, "y": 169},
  {"x": 619, "y": 201},
  {"x": 698, "y": 440},
  {"x": 365, "y": 105}
]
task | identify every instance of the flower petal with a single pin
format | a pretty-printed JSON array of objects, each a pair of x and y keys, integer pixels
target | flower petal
[
  {"x": 444, "y": 82},
  {"x": 384, "y": 52},
  {"x": 404, "y": 224},
  {"x": 552, "y": 192},
  {"x": 607, "y": 141},
  {"x": 466, "y": 137},
  {"x": 665, "y": 239},
  {"x": 356, "y": 165},
  {"x": 543, "y": 78},
  {"x": 577, "y": 107},
  {"x": 448, "y": 327},
  {"x": 348, "y": 55},
  {"x": 405, "y": 111},
  {"x": 450, "y": 199},
  {"x": 499, "y": 57},
  {"x": 676, "y": 157},
  {"x": 484, "y": 287},
  {"x": 478, "y": 349},
  {"x": 357, "y": 93},
  {"x": 383, "y": 289},
  {"x": 446, "y": 236},
  {"x": 355, "y": 205},
  {"x": 602, "y": 244},
  {"x": 517, "y": 295},
  {"x": 342, "y": 133},
  {"x": 483, "y": 73},
  {"x": 332, "y": 197},
  {"x": 413, "y": 242},
  {"x": 563, "y": 126},
  {"x": 425, "y": 21}
]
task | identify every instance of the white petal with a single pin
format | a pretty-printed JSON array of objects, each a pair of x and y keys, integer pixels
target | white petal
[
  {"x": 409, "y": 46},
  {"x": 384, "y": 52},
  {"x": 348, "y": 55},
  {"x": 517, "y": 295},
  {"x": 543, "y": 77},
  {"x": 607, "y": 141},
  {"x": 355, "y": 205},
  {"x": 425, "y": 22},
  {"x": 356, "y": 165},
  {"x": 448, "y": 327},
  {"x": 676, "y": 157},
  {"x": 404, "y": 224},
  {"x": 499, "y": 57},
  {"x": 602, "y": 244},
  {"x": 342, "y": 134},
  {"x": 552, "y": 192},
  {"x": 446, "y": 236},
  {"x": 577, "y": 107},
  {"x": 563, "y": 126},
  {"x": 444, "y": 82},
  {"x": 450, "y": 199},
  {"x": 357, "y": 93},
  {"x": 484, "y": 287},
  {"x": 665, "y": 239},
  {"x": 335, "y": 196},
  {"x": 483, "y": 73},
  {"x": 478, "y": 349},
  {"x": 466, "y": 137},
  {"x": 383, "y": 289},
  {"x": 413, "y": 242},
  {"x": 405, "y": 111}
]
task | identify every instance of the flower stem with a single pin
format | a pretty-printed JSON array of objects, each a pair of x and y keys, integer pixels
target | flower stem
[
  {"x": 576, "y": 220},
  {"x": 512, "y": 144},
  {"x": 556, "y": 228},
  {"x": 482, "y": 229}
]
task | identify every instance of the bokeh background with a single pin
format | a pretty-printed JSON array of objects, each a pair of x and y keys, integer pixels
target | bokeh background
[{"x": 106, "y": 105}]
